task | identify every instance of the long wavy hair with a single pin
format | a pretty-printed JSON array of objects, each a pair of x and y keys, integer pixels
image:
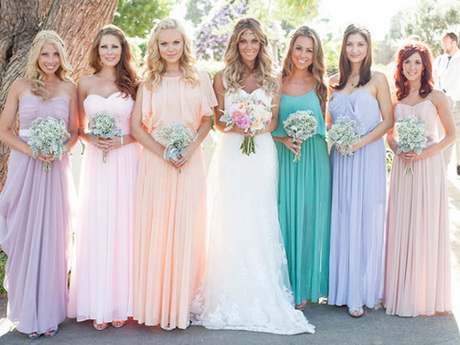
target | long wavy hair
[
  {"x": 34, "y": 74},
  {"x": 154, "y": 63},
  {"x": 126, "y": 78},
  {"x": 405, "y": 52},
  {"x": 317, "y": 68},
  {"x": 344, "y": 63},
  {"x": 235, "y": 67}
]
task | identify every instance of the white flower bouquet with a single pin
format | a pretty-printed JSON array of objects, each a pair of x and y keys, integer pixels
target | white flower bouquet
[
  {"x": 300, "y": 125},
  {"x": 175, "y": 137},
  {"x": 48, "y": 135},
  {"x": 249, "y": 114},
  {"x": 343, "y": 134},
  {"x": 103, "y": 125},
  {"x": 412, "y": 136}
]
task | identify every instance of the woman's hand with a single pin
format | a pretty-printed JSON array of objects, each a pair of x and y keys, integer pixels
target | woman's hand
[
  {"x": 410, "y": 156},
  {"x": 107, "y": 144},
  {"x": 45, "y": 158},
  {"x": 189, "y": 150},
  {"x": 293, "y": 145}
]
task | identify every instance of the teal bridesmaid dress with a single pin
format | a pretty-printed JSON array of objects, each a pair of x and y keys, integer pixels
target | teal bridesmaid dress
[{"x": 304, "y": 203}]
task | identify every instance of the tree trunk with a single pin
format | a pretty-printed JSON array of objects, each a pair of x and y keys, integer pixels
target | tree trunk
[{"x": 76, "y": 21}]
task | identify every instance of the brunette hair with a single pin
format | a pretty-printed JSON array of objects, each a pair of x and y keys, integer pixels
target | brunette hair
[
  {"x": 317, "y": 67},
  {"x": 402, "y": 86},
  {"x": 126, "y": 77},
  {"x": 452, "y": 36},
  {"x": 344, "y": 63}
]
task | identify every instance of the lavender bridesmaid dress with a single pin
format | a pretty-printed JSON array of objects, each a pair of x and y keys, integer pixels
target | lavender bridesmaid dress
[
  {"x": 35, "y": 228},
  {"x": 358, "y": 209}
]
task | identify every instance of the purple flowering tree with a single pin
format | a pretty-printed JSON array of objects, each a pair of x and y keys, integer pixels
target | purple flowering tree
[{"x": 212, "y": 35}]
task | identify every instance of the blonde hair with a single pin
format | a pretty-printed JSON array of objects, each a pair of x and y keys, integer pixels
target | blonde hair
[
  {"x": 34, "y": 73},
  {"x": 263, "y": 68},
  {"x": 317, "y": 68},
  {"x": 154, "y": 64},
  {"x": 125, "y": 71}
]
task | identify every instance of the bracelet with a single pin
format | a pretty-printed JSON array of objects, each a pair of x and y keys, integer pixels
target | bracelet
[{"x": 121, "y": 140}]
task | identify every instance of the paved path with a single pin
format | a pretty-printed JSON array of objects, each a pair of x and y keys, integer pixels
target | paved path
[{"x": 333, "y": 325}]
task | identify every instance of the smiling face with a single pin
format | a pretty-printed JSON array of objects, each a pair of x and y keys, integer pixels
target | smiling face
[
  {"x": 413, "y": 67},
  {"x": 248, "y": 46},
  {"x": 356, "y": 48},
  {"x": 171, "y": 45},
  {"x": 109, "y": 50},
  {"x": 48, "y": 59},
  {"x": 302, "y": 52}
]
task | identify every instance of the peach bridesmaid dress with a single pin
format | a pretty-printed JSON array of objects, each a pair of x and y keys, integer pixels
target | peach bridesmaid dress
[
  {"x": 169, "y": 243},
  {"x": 417, "y": 277}
]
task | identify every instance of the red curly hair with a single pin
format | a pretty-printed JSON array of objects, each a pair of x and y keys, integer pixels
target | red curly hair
[{"x": 402, "y": 86}]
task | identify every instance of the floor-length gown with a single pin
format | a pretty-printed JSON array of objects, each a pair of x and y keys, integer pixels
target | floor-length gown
[
  {"x": 304, "y": 202},
  {"x": 101, "y": 285},
  {"x": 171, "y": 209},
  {"x": 417, "y": 274},
  {"x": 358, "y": 209},
  {"x": 247, "y": 283},
  {"x": 35, "y": 225}
]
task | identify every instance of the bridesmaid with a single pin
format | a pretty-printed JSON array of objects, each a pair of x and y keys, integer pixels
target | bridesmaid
[
  {"x": 171, "y": 196},
  {"x": 102, "y": 275},
  {"x": 358, "y": 181},
  {"x": 304, "y": 190},
  {"x": 35, "y": 205},
  {"x": 418, "y": 254}
]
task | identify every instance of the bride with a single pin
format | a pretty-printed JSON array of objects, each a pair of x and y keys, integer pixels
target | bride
[{"x": 246, "y": 286}]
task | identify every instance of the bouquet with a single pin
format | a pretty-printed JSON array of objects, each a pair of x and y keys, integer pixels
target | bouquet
[
  {"x": 411, "y": 136},
  {"x": 300, "y": 125},
  {"x": 47, "y": 135},
  {"x": 104, "y": 125},
  {"x": 343, "y": 134},
  {"x": 249, "y": 114},
  {"x": 176, "y": 137}
]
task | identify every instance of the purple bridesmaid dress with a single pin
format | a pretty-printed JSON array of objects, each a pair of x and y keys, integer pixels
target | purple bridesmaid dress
[
  {"x": 358, "y": 209},
  {"x": 35, "y": 227}
]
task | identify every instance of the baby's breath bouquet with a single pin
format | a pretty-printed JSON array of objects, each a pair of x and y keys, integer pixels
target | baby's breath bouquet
[
  {"x": 411, "y": 137},
  {"x": 47, "y": 135},
  {"x": 176, "y": 137},
  {"x": 103, "y": 125},
  {"x": 343, "y": 134},
  {"x": 300, "y": 125}
]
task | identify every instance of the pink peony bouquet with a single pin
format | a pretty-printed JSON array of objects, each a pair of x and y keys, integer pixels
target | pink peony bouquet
[{"x": 249, "y": 114}]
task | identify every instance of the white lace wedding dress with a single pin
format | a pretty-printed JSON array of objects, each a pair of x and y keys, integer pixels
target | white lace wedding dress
[{"x": 247, "y": 284}]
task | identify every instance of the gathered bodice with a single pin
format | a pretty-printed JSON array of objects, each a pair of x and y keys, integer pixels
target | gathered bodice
[
  {"x": 32, "y": 107},
  {"x": 425, "y": 111},
  {"x": 232, "y": 97},
  {"x": 360, "y": 105},
  {"x": 116, "y": 104},
  {"x": 291, "y": 104}
]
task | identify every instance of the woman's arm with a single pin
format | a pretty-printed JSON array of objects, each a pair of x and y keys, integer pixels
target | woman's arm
[
  {"x": 73, "y": 122},
  {"x": 140, "y": 134},
  {"x": 219, "y": 109},
  {"x": 202, "y": 132},
  {"x": 8, "y": 118},
  {"x": 384, "y": 99},
  {"x": 439, "y": 100}
]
